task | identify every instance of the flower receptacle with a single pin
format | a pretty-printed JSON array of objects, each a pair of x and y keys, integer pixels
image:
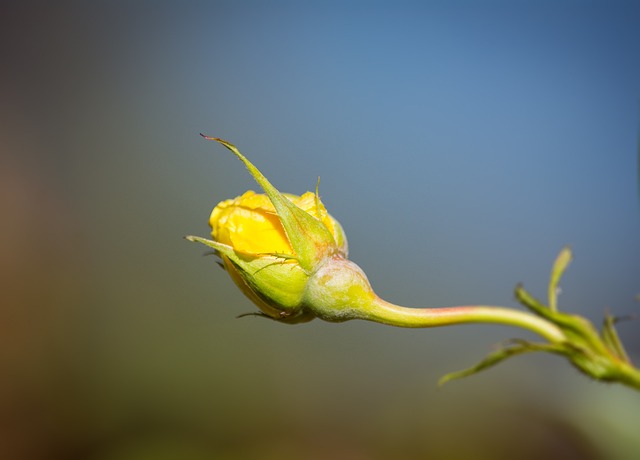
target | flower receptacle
[{"x": 339, "y": 291}]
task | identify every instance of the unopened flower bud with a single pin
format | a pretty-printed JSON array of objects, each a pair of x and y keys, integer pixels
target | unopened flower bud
[
  {"x": 272, "y": 245},
  {"x": 263, "y": 263}
]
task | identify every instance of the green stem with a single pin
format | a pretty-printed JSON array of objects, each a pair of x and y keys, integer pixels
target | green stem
[
  {"x": 617, "y": 370},
  {"x": 384, "y": 312},
  {"x": 629, "y": 375}
]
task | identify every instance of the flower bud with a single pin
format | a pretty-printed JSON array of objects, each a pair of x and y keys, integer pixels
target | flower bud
[
  {"x": 288, "y": 255},
  {"x": 264, "y": 264}
]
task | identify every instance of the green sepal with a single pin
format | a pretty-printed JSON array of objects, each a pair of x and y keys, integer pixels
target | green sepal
[
  {"x": 282, "y": 289},
  {"x": 218, "y": 248},
  {"x": 309, "y": 237},
  {"x": 303, "y": 317}
]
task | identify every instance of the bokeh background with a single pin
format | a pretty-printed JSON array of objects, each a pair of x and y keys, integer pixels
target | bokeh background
[{"x": 460, "y": 143}]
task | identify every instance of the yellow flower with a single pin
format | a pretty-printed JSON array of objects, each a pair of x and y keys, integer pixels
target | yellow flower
[
  {"x": 287, "y": 254},
  {"x": 268, "y": 272},
  {"x": 250, "y": 224}
]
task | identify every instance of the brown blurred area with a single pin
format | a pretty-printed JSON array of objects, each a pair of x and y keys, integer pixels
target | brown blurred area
[
  {"x": 42, "y": 279},
  {"x": 41, "y": 260}
]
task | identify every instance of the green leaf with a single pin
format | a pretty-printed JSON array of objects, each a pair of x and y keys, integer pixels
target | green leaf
[
  {"x": 532, "y": 303},
  {"x": 576, "y": 327},
  {"x": 560, "y": 265},
  {"x": 517, "y": 347},
  {"x": 611, "y": 338}
]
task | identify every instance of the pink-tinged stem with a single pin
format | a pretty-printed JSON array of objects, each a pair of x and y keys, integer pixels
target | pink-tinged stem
[{"x": 384, "y": 312}]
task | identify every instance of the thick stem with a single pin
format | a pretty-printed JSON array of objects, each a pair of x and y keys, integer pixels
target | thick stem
[
  {"x": 384, "y": 312},
  {"x": 339, "y": 291}
]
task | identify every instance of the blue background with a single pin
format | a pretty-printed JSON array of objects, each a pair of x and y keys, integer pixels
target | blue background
[{"x": 461, "y": 144}]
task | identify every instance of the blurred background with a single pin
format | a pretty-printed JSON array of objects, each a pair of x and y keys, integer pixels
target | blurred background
[{"x": 461, "y": 144}]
